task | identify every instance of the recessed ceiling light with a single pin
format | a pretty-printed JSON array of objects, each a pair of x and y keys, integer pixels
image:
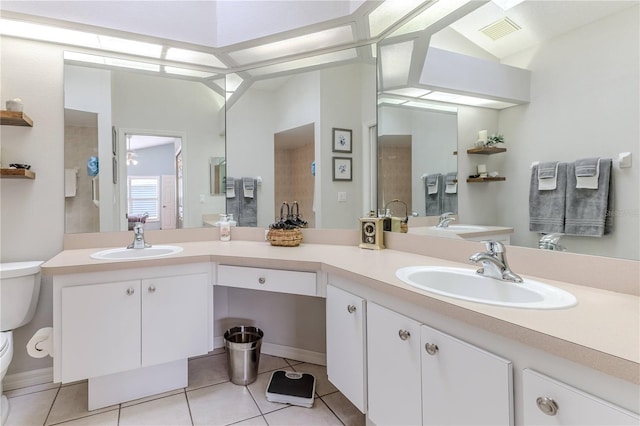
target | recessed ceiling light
[
  {"x": 393, "y": 58},
  {"x": 296, "y": 45},
  {"x": 114, "y": 62},
  {"x": 430, "y": 16},
  {"x": 187, "y": 72},
  {"x": 412, "y": 92},
  {"x": 388, "y": 13},
  {"x": 327, "y": 58},
  {"x": 441, "y": 96},
  {"x": 427, "y": 105},
  {"x": 388, "y": 100},
  {"x": 193, "y": 57}
]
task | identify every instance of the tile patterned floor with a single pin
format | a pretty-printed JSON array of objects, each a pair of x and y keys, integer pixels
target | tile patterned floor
[{"x": 210, "y": 399}]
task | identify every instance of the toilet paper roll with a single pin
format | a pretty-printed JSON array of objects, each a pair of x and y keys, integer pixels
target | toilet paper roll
[{"x": 41, "y": 344}]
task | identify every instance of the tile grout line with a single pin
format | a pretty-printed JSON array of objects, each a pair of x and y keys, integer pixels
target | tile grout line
[
  {"x": 51, "y": 407},
  {"x": 188, "y": 406}
]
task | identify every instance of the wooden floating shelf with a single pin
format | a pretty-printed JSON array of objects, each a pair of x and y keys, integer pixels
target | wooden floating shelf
[
  {"x": 17, "y": 174},
  {"x": 486, "y": 150},
  {"x": 487, "y": 179},
  {"x": 15, "y": 118}
]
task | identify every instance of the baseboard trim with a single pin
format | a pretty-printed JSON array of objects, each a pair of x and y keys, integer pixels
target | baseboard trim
[
  {"x": 28, "y": 378},
  {"x": 274, "y": 349}
]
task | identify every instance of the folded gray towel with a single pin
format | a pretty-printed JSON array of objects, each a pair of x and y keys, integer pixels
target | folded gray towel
[
  {"x": 233, "y": 202},
  {"x": 586, "y": 167},
  {"x": 547, "y": 170},
  {"x": 433, "y": 202},
  {"x": 588, "y": 210},
  {"x": 547, "y": 208},
  {"x": 449, "y": 199},
  {"x": 248, "y": 206},
  {"x": 230, "y": 187}
]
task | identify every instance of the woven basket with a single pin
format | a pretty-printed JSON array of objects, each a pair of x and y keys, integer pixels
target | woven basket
[{"x": 285, "y": 237}]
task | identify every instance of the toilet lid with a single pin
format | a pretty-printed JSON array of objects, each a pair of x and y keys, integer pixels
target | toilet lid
[
  {"x": 19, "y": 269},
  {"x": 4, "y": 340}
]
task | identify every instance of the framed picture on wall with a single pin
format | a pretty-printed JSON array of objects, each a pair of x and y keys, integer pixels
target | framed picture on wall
[
  {"x": 341, "y": 140},
  {"x": 342, "y": 169}
]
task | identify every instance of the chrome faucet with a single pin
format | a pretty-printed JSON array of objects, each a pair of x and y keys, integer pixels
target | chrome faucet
[
  {"x": 494, "y": 263},
  {"x": 138, "y": 237},
  {"x": 551, "y": 242},
  {"x": 445, "y": 218}
]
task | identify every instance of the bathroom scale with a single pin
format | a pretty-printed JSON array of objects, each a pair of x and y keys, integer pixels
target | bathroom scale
[{"x": 291, "y": 387}]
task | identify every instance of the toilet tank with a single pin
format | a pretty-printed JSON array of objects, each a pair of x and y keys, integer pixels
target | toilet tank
[{"x": 19, "y": 292}]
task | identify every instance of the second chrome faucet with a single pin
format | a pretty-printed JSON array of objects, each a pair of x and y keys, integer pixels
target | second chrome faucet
[{"x": 494, "y": 263}]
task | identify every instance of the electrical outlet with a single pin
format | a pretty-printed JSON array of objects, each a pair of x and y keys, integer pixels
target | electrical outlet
[{"x": 342, "y": 197}]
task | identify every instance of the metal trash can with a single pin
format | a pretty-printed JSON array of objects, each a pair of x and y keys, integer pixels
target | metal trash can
[{"x": 243, "y": 353}]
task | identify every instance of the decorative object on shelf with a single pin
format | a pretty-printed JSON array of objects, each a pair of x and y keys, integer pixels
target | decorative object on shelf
[
  {"x": 494, "y": 139},
  {"x": 20, "y": 166},
  {"x": 482, "y": 139},
  {"x": 341, "y": 140},
  {"x": 342, "y": 169},
  {"x": 15, "y": 105},
  {"x": 482, "y": 170},
  {"x": 372, "y": 232}
]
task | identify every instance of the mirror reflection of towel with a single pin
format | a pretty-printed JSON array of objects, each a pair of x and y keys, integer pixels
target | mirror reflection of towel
[
  {"x": 231, "y": 187},
  {"x": 247, "y": 187}
]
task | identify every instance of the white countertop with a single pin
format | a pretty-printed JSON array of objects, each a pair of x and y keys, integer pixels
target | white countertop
[{"x": 601, "y": 332}]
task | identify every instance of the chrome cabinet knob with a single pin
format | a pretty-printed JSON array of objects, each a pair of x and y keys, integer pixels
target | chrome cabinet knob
[
  {"x": 152, "y": 288},
  {"x": 130, "y": 291},
  {"x": 351, "y": 309},
  {"x": 431, "y": 348},
  {"x": 262, "y": 280},
  {"x": 404, "y": 334},
  {"x": 547, "y": 405}
]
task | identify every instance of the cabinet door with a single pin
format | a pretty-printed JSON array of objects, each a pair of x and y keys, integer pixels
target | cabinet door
[
  {"x": 463, "y": 384},
  {"x": 100, "y": 329},
  {"x": 561, "y": 404},
  {"x": 393, "y": 354},
  {"x": 174, "y": 318},
  {"x": 346, "y": 344}
]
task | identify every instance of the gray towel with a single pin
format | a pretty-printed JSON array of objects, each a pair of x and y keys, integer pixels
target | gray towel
[
  {"x": 433, "y": 202},
  {"x": 586, "y": 167},
  {"x": 547, "y": 208},
  {"x": 248, "y": 211},
  {"x": 547, "y": 170},
  {"x": 587, "y": 210},
  {"x": 449, "y": 200},
  {"x": 233, "y": 200}
]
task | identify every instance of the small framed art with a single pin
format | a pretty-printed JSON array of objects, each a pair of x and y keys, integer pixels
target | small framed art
[
  {"x": 341, "y": 140},
  {"x": 342, "y": 169}
]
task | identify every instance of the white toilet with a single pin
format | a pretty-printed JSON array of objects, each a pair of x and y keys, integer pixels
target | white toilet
[{"x": 19, "y": 292}]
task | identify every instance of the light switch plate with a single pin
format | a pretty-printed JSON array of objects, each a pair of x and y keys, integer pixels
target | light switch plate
[{"x": 342, "y": 197}]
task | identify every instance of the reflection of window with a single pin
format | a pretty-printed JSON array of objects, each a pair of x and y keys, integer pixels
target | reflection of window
[{"x": 143, "y": 194}]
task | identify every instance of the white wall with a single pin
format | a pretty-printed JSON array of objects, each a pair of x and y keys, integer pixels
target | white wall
[
  {"x": 584, "y": 103},
  {"x": 32, "y": 211}
]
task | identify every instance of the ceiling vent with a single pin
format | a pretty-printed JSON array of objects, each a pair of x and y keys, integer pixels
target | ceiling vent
[{"x": 500, "y": 28}]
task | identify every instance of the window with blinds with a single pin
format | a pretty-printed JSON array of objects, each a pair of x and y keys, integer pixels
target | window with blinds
[{"x": 143, "y": 194}]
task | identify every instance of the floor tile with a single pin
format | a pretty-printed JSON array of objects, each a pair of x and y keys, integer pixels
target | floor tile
[
  {"x": 270, "y": 363},
  {"x": 71, "y": 403},
  {"x": 110, "y": 418},
  {"x": 323, "y": 386},
  {"x": 172, "y": 410},
  {"x": 30, "y": 409},
  {"x": 221, "y": 404},
  {"x": 31, "y": 389},
  {"x": 319, "y": 414},
  {"x": 258, "y": 390},
  {"x": 206, "y": 371},
  {"x": 151, "y": 398},
  {"x": 344, "y": 409}
]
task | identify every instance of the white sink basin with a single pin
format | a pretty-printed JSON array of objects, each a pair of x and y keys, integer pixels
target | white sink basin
[
  {"x": 136, "y": 254},
  {"x": 461, "y": 228},
  {"x": 466, "y": 284}
]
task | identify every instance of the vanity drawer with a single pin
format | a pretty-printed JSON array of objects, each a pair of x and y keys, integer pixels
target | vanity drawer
[{"x": 276, "y": 280}]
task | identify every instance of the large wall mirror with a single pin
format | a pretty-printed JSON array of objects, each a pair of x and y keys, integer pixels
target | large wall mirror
[
  {"x": 280, "y": 134},
  {"x": 564, "y": 118},
  {"x": 141, "y": 143}
]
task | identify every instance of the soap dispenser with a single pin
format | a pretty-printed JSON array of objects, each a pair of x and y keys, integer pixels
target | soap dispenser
[{"x": 225, "y": 228}]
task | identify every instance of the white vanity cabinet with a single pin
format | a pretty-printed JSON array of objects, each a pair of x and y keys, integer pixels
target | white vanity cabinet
[
  {"x": 123, "y": 325},
  {"x": 547, "y": 401},
  {"x": 265, "y": 279},
  {"x": 346, "y": 331},
  {"x": 463, "y": 384},
  {"x": 418, "y": 375},
  {"x": 393, "y": 356}
]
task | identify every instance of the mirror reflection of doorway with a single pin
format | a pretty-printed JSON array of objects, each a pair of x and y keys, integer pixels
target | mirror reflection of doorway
[
  {"x": 293, "y": 158},
  {"x": 394, "y": 171},
  {"x": 154, "y": 183}
]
